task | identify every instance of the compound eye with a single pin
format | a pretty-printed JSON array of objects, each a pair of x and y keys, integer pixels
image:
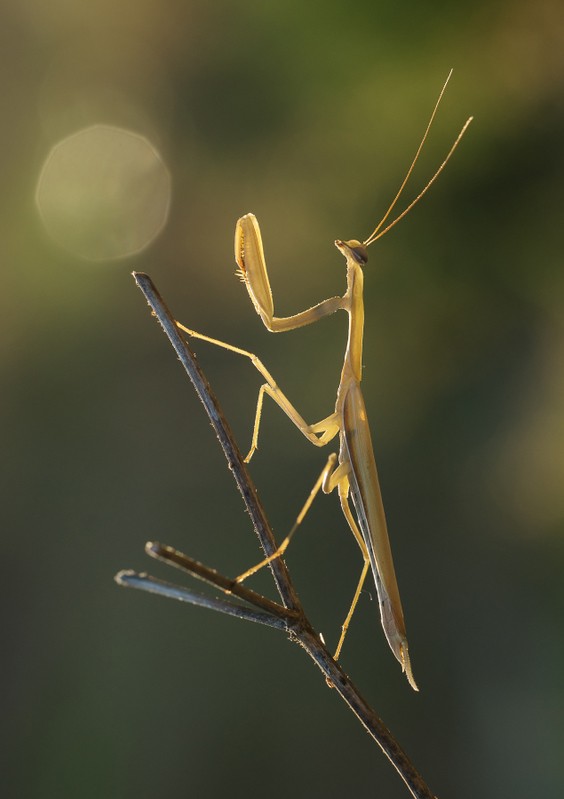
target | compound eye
[{"x": 360, "y": 252}]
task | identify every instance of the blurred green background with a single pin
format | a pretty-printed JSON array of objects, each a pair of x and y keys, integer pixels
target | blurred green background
[{"x": 307, "y": 114}]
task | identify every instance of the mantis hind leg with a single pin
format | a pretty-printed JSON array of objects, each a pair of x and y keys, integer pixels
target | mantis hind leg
[
  {"x": 343, "y": 496},
  {"x": 320, "y": 483},
  {"x": 347, "y": 621}
]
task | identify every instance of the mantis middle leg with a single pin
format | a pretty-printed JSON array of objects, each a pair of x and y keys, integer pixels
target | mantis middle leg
[{"x": 319, "y": 433}]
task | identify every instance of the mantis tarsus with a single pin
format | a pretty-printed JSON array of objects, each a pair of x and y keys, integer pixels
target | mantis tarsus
[{"x": 353, "y": 472}]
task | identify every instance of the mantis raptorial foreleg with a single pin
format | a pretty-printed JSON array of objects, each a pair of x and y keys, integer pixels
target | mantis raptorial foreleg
[{"x": 319, "y": 433}]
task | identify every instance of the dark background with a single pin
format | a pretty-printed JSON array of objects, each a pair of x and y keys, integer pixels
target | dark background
[{"x": 307, "y": 114}]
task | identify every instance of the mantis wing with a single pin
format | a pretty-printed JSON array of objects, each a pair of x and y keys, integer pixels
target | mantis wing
[{"x": 367, "y": 500}]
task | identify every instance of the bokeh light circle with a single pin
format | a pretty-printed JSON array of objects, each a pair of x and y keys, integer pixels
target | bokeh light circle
[{"x": 104, "y": 193}]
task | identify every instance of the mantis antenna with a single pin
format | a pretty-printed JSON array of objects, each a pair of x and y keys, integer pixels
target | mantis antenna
[{"x": 377, "y": 232}]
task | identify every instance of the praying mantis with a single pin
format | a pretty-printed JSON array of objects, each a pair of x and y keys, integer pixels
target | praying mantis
[{"x": 353, "y": 471}]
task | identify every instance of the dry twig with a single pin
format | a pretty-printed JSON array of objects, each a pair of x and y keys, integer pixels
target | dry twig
[{"x": 289, "y": 615}]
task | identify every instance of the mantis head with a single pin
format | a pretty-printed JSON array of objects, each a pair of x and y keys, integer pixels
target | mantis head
[{"x": 353, "y": 249}]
